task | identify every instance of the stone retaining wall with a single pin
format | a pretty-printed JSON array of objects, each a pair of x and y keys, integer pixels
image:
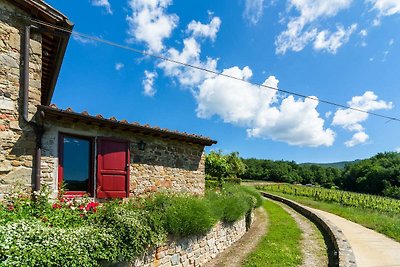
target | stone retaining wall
[
  {"x": 195, "y": 250},
  {"x": 341, "y": 253}
]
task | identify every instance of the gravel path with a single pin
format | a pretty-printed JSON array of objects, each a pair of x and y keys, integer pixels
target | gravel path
[
  {"x": 237, "y": 253},
  {"x": 312, "y": 244}
]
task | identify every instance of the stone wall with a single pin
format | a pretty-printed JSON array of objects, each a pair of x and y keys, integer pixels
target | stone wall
[
  {"x": 17, "y": 139},
  {"x": 165, "y": 165},
  {"x": 195, "y": 250}
]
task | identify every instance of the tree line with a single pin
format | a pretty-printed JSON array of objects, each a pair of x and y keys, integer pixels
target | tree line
[{"x": 378, "y": 175}]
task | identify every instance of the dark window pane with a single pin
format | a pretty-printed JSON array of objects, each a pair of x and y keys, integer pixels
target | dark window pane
[{"x": 76, "y": 164}]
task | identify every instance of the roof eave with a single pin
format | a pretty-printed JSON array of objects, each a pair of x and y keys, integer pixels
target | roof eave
[
  {"x": 52, "y": 112},
  {"x": 62, "y": 47}
]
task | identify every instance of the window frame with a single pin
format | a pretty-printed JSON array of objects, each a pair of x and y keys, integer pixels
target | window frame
[{"x": 91, "y": 181}]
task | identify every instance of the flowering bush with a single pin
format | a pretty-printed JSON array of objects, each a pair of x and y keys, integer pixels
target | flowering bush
[
  {"x": 32, "y": 243},
  {"x": 76, "y": 231}
]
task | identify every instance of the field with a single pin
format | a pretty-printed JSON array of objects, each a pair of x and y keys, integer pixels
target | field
[{"x": 377, "y": 213}]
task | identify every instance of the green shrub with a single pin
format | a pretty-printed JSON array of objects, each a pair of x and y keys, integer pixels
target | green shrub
[
  {"x": 26, "y": 243},
  {"x": 212, "y": 184},
  {"x": 233, "y": 202},
  {"x": 188, "y": 215},
  {"x": 255, "y": 193},
  {"x": 233, "y": 180},
  {"x": 77, "y": 232},
  {"x": 135, "y": 230}
]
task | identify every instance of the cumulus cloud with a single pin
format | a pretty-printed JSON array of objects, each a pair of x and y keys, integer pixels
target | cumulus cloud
[
  {"x": 103, "y": 3},
  {"x": 256, "y": 108},
  {"x": 351, "y": 119},
  {"x": 386, "y": 7},
  {"x": 253, "y": 10},
  {"x": 148, "y": 83},
  {"x": 358, "y": 138},
  {"x": 261, "y": 111},
  {"x": 397, "y": 149},
  {"x": 190, "y": 54},
  {"x": 331, "y": 42},
  {"x": 302, "y": 30},
  {"x": 210, "y": 30},
  {"x": 149, "y": 23}
]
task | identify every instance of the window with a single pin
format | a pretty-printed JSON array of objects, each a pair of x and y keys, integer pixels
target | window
[{"x": 76, "y": 164}]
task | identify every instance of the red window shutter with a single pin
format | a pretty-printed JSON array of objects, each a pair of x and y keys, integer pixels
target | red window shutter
[{"x": 112, "y": 168}]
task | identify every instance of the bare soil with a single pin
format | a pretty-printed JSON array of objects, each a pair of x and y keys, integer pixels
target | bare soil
[
  {"x": 237, "y": 253},
  {"x": 312, "y": 244}
]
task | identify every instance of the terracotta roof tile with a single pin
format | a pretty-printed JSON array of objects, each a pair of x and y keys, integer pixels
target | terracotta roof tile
[{"x": 146, "y": 128}]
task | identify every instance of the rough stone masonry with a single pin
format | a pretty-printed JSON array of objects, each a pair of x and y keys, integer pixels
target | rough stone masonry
[{"x": 17, "y": 139}]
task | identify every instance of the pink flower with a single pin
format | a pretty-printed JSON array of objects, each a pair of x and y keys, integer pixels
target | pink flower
[
  {"x": 81, "y": 207},
  {"x": 56, "y": 206},
  {"x": 10, "y": 207},
  {"x": 92, "y": 206}
]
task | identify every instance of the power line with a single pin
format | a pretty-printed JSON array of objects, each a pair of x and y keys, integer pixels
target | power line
[{"x": 160, "y": 57}]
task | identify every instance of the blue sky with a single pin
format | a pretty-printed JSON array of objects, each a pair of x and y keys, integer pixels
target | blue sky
[{"x": 345, "y": 51}]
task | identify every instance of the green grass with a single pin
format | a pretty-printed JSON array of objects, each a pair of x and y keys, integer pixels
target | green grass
[
  {"x": 281, "y": 245},
  {"x": 382, "y": 222}
]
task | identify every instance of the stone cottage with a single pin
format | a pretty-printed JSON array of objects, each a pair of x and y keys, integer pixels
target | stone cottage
[{"x": 41, "y": 144}]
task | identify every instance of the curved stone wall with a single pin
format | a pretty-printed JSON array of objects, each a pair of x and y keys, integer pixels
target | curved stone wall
[{"x": 195, "y": 250}]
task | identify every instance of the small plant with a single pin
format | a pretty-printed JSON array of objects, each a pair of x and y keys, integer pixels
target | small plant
[{"x": 188, "y": 215}]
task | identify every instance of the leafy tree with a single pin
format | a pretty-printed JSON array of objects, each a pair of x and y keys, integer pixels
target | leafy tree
[{"x": 217, "y": 165}]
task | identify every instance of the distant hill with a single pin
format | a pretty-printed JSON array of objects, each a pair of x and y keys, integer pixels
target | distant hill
[{"x": 337, "y": 165}]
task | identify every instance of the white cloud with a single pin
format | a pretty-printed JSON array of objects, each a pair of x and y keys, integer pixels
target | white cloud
[
  {"x": 328, "y": 114},
  {"x": 253, "y": 10},
  {"x": 256, "y": 108},
  {"x": 205, "y": 30},
  {"x": 358, "y": 138},
  {"x": 397, "y": 149},
  {"x": 148, "y": 83},
  {"x": 351, "y": 119},
  {"x": 386, "y": 7},
  {"x": 363, "y": 33},
  {"x": 297, "y": 35},
  {"x": 103, "y": 3},
  {"x": 331, "y": 42},
  {"x": 150, "y": 24},
  {"x": 391, "y": 42},
  {"x": 263, "y": 112},
  {"x": 119, "y": 66},
  {"x": 376, "y": 22},
  {"x": 190, "y": 54}
]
